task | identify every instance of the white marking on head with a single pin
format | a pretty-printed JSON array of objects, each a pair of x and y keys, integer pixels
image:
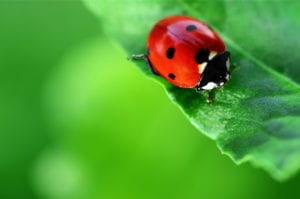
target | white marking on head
[
  {"x": 221, "y": 84},
  {"x": 209, "y": 86},
  {"x": 212, "y": 54},
  {"x": 201, "y": 67},
  {"x": 227, "y": 76},
  {"x": 227, "y": 64}
]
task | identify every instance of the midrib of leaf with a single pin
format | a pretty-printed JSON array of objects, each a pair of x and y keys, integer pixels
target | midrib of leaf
[{"x": 288, "y": 82}]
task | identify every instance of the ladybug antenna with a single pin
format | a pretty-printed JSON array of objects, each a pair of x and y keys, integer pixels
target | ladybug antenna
[
  {"x": 137, "y": 57},
  {"x": 235, "y": 67}
]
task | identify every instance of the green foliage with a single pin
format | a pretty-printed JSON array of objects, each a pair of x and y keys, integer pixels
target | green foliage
[
  {"x": 256, "y": 117},
  {"x": 34, "y": 36}
]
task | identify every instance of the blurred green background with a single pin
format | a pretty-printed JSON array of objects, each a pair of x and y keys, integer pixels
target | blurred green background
[{"x": 80, "y": 121}]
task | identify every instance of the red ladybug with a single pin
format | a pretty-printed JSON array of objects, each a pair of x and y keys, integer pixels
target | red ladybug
[{"x": 187, "y": 53}]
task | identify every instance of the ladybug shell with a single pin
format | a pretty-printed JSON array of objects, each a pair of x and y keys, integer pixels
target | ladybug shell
[{"x": 175, "y": 44}]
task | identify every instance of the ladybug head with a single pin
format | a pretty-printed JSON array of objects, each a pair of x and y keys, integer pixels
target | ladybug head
[{"x": 216, "y": 73}]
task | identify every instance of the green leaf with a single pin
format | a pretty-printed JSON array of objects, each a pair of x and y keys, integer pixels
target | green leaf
[{"x": 256, "y": 117}]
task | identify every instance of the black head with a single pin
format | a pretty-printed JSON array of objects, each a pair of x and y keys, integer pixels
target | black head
[{"x": 216, "y": 73}]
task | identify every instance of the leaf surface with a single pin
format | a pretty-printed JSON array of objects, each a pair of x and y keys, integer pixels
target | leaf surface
[{"x": 256, "y": 116}]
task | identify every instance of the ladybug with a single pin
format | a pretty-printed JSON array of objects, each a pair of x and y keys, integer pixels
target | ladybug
[{"x": 187, "y": 53}]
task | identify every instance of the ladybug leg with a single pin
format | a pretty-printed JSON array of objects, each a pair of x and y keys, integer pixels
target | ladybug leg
[
  {"x": 146, "y": 59},
  {"x": 210, "y": 96}
]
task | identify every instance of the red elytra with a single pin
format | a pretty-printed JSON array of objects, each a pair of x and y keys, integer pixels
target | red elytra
[{"x": 176, "y": 46}]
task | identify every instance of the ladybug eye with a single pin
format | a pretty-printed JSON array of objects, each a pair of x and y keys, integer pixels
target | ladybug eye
[
  {"x": 170, "y": 52},
  {"x": 202, "y": 55},
  {"x": 172, "y": 76},
  {"x": 190, "y": 28}
]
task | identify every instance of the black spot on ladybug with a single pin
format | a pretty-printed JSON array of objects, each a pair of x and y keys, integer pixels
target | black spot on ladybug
[
  {"x": 170, "y": 52},
  {"x": 191, "y": 28},
  {"x": 172, "y": 76},
  {"x": 202, "y": 55}
]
